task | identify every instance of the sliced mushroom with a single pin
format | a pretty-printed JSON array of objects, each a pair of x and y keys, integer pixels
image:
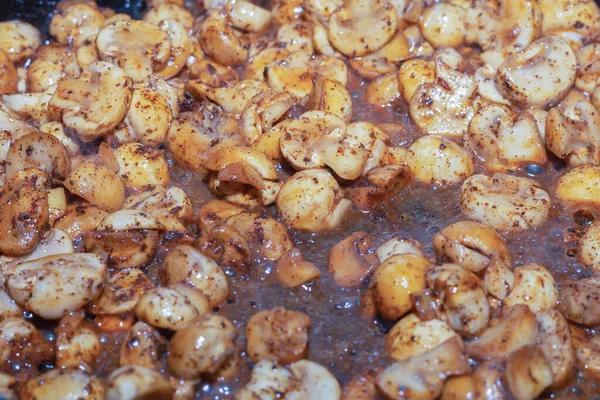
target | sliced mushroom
[
  {"x": 52, "y": 64},
  {"x": 22, "y": 344},
  {"x": 77, "y": 345},
  {"x": 523, "y": 77},
  {"x": 331, "y": 96},
  {"x": 504, "y": 202},
  {"x": 580, "y": 185},
  {"x": 76, "y": 23},
  {"x": 98, "y": 185},
  {"x": 580, "y": 301},
  {"x": 170, "y": 11},
  {"x": 528, "y": 373},
  {"x": 311, "y": 200},
  {"x": 444, "y": 107},
  {"x": 384, "y": 60},
  {"x": 383, "y": 90},
  {"x": 149, "y": 117},
  {"x": 515, "y": 328},
  {"x": 563, "y": 15},
  {"x": 219, "y": 40},
  {"x": 278, "y": 335},
  {"x": 505, "y": 140},
  {"x": 423, "y": 376},
  {"x": 122, "y": 291},
  {"x": 362, "y": 27},
  {"x": 261, "y": 114},
  {"x": 80, "y": 103},
  {"x": 63, "y": 384},
  {"x": 19, "y": 40},
  {"x": 142, "y": 346},
  {"x": 165, "y": 308},
  {"x": 535, "y": 287},
  {"x": 202, "y": 346},
  {"x": 587, "y": 351},
  {"x": 140, "y": 167},
  {"x": 574, "y": 133},
  {"x": 352, "y": 260},
  {"x": 443, "y": 25},
  {"x": 137, "y": 382},
  {"x": 555, "y": 341},
  {"x": 8, "y": 74},
  {"x": 293, "y": 270},
  {"x": 171, "y": 206},
  {"x": 395, "y": 280},
  {"x": 378, "y": 184},
  {"x": 53, "y": 286}
]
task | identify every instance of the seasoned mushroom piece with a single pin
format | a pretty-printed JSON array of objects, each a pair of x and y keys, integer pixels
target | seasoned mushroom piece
[
  {"x": 378, "y": 184},
  {"x": 140, "y": 48},
  {"x": 411, "y": 337},
  {"x": 278, "y": 335},
  {"x": 53, "y": 286},
  {"x": 465, "y": 303},
  {"x": 24, "y": 216},
  {"x": 219, "y": 40},
  {"x": 247, "y": 16},
  {"x": 587, "y": 351},
  {"x": 353, "y": 259},
  {"x": 580, "y": 185},
  {"x": 77, "y": 345},
  {"x": 292, "y": 270},
  {"x": 574, "y": 133},
  {"x": 60, "y": 384},
  {"x": 527, "y": 373},
  {"x": 443, "y": 25},
  {"x": 79, "y": 219},
  {"x": 122, "y": 290},
  {"x": 514, "y": 328},
  {"x": 588, "y": 61},
  {"x": 172, "y": 11},
  {"x": 75, "y": 24},
  {"x": 22, "y": 344},
  {"x": 331, "y": 96},
  {"x": 444, "y": 106},
  {"x": 395, "y": 280},
  {"x": 98, "y": 185},
  {"x": 554, "y": 339},
  {"x": 8, "y": 74},
  {"x": 507, "y": 26},
  {"x": 142, "y": 346},
  {"x": 311, "y": 200},
  {"x": 580, "y": 301},
  {"x": 52, "y": 64},
  {"x": 413, "y": 73},
  {"x": 438, "y": 160},
  {"x": 81, "y": 103},
  {"x": 149, "y": 117},
  {"x": 136, "y": 382},
  {"x": 165, "y": 308},
  {"x": 171, "y": 206},
  {"x": 505, "y": 140},
  {"x": 186, "y": 264},
  {"x": 202, "y": 346},
  {"x": 140, "y": 167},
  {"x": 580, "y": 16},
  {"x": 504, "y": 202},
  {"x": 472, "y": 245},
  {"x": 524, "y": 77},
  {"x": 19, "y": 40},
  {"x": 589, "y": 247},
  {"x": 422, "y": 377},
  {"x": 362, "y": 27},
  {"x": 126, "y": 238},
  {"x": 535, "y": 287}
]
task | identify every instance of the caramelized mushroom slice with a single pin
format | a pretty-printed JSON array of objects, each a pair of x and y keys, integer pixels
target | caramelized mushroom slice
[
  {"x": 19, "y": 40},
  {"x": 580, "y": 301},
  {"x": 535, "y": 287},
  {"x": 554, "y": 339},
  {"x": 98, "y": 185},
  {"x": 137, "y": 382},
  {"x": 142, "y": 346},
  {"x": 580, "y": 185},
  {"x": 219, "y": 40},
  {"x": 527, "y": 373},
  {"x": 77, "y": 345},
  {"x": 353, "y": 259},
  {"x": 122, "y": 291},
  {"x": 293, "y": 270},
  {"x": 63, "y": 384}
]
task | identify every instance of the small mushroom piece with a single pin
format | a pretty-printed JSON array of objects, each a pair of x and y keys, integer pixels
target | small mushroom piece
[
  {"x": 528, "y": 373},
  {"x": 22, "y": 344},
  {"x": 278, "y": 335},
  {"x": 466, "y": 306},
  {"x": 587, "y": 351},
  {"x": 269, "y": 235},
  {"x": 321, "y": 10},
  {"x": 438, "y": 160},
  {"x": 384, "y": 60},
  {"x": 202, "y": 346},
  {"x": 170, "y": 11},
  {"x": 316, "y": 381},
  {"x": 311, "y": 200},
  {"x": 504, "y": 202},
  {"x": 458, "y": 387},
  {"x": 588, "y": 61},
  {"x": 165, "y": 308},
  {"x": 472, "y": 245},
  {"x": 216, "y": 211},
  {"x": 554, "y": 339},
  {"x": 361, "y": 387},
  {"x": 580, "y": 301},
  {"x": 136, "y": 382},
  {"x": 59, "y": 384},
  {"x": 140, "y": 167},
  {"x": 487, "y": 381},
  {"x": 139, "y": 47},
  {"x": 395, "y": 280},
  {"x": 98, "y": 185},
  {"x": 589, "y": 247},
  {"x": 79, "y": 219},
  {"x": 185, "y": 264},
  {"x": 564, "y": 15},
  {"x": 514, "y": 328},
  {"x": 331, "y": 96},
  {"x": 262, "y": 112},
  {"x": 52, "y": 64},
  {"x": 53, "y": 286},
  {"x": 142, "y": 346},
  {"x": 268, "y": 381},
  {"x": 126, "y": 238},
  {"x": 8, "y": 74},
  {"x": 122, "y": 291},
  {"x": 383, "y": 90},
  {"x": 580, "y": 185},
  {"x": 165, "y": 204},
  {"x": 353, "y": 259},
  {"x": 574, "y": 133},
  {"x": 508, "y": 26},
  {"x": 77, "y": 345},
  {"x": 535, "y": 287},
  {"x": 411, "y": 337},
  {"x": 19, "y": 40},
  {"x": 38, "y": 150},
  {"x": 225, "y": 244},
  {"x": 443, "y": 25},
  {"x": 149, "y": 117},
  {"x": 292, "y": 270},
  {"x": 75, "y": 24},
  {"x": 219, "y": 40},
  {"x": 422, "y": 377},
  {"x": 505, "y": 140},
  {"x": 413, "y": 73},
  {"x": 362, "y": 27},
  {"x": 396, "y": 246},
  {"x": 81, "y": 103},
  {"x": 444, "y": 107},
  {"x": 378, "y": 184},
  {"x": 523, "y": 77},
  {"x": 24, "y": 216},
  {"x": 247, "y": 16}
]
